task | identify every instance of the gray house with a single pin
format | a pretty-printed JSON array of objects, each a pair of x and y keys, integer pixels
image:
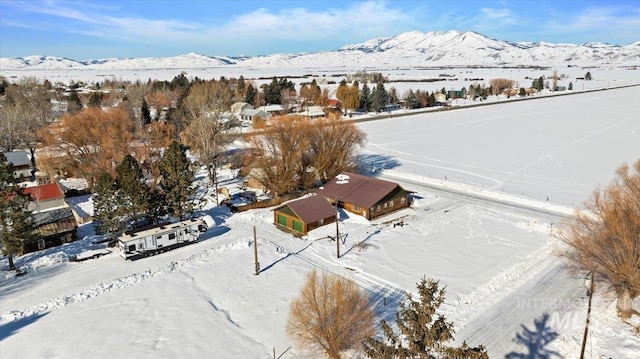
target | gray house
[{"x": 21, "y": 163}]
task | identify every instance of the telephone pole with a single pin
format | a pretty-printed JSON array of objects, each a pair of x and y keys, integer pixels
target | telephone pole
[
  {"x": 586, "y": 326},
  {"x": 337, "y": 231},
  {"x": 255, "y": 250}
]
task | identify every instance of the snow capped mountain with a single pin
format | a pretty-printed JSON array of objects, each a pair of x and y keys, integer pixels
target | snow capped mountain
[{"x": 414, "y": 48}]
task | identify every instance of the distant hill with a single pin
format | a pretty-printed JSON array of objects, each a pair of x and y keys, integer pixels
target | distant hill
[{"x": 409, "y": 49}]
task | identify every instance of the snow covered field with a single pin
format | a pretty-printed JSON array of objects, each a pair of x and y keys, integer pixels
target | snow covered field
[{"x": 494, "y": 250}]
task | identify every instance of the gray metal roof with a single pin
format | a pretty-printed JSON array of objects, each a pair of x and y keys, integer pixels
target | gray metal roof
[{"x": 18, "y": 158}]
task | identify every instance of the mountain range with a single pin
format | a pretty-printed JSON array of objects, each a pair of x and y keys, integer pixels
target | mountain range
[{"x": 409, "y": 49}]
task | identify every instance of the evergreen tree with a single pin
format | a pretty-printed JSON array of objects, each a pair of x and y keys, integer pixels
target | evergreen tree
[
  {"x": 134, "y": 189},
  {"x": 587, "y": 76},
  {"x": 365, "y": 98},
  {"x": 522, "y": 92},
  {"x": 570, "y": 88},
  {"x": 379, "y": 98},
  {"x": 423, "y": 332},
  {"x": 3, "y": 85},
  {"x": 241, "y": 89},
  {"x": 95, "y": 100},
  {"x": 177, "y": 178},
  {"x": 250, "y": 94},
  {"x": 412, "y": 100},
  {"x": 145, "y": 113},
  {"x": 272, "y": 92},
  {"x": 107, "y": 206},
  {"x": 16, "y": 223},
  {"x": 74, "y": 103},
  {"x": 431, "y": 100}
]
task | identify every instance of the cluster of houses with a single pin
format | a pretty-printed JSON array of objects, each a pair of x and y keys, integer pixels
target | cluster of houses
[
  {"x": 54, "y": 220},
  {"x": 251, "y": 116},
  {"x": 365, "y": 196}
]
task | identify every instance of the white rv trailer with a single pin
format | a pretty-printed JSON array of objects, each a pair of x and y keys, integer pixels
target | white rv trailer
[{"x": 159, "y": 238}]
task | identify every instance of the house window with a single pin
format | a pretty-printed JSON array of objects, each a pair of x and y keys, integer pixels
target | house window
[
  {"x": 131, "y": 248},
  {"x": 172, "y": 236},
  {"x": 403, "y": 200},
  {"x": 40, "y": 243},
  {"x": 391, "y": 203},
  {"x": 355, "y": 208},
  {"x": 371, "y": 210},
  {"x": 378, "y": 208},
  {"x": 385, "y": 205},
  {"x": 321, "y": 221}
]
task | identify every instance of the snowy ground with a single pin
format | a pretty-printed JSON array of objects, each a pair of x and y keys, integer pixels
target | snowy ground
[{"x": 485, "y": 231}]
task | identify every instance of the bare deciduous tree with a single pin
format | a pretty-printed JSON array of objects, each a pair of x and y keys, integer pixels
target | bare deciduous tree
[
  {"x": 26, "y": 108},
  {"x": 330, "y": 315},
  {"x": 276, "y": 154},
  {"x": 206, "y": 132},
  {"x": 89, "y": 142},
  {"x": 498, "y": 85},
  {"x": 605, "y": 237},
  {"x": 332, "y": 146},
  {"x": 294, "y": 152}
]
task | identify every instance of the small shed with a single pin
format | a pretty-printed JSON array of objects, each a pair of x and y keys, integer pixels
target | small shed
[
  {"x": 366, "y": 196},
  {"x": 303, "y": 215}
]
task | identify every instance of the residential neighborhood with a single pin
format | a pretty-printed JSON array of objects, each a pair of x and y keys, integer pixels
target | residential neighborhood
[{"x": 342, "y": 180}]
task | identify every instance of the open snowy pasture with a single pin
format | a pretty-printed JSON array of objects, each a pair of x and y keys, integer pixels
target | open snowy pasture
[{"x": 555, "y": 148}]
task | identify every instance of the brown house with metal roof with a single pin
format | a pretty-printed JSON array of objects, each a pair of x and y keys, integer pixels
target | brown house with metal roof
[
  {"x": 305, "y": 214},
  {"x": 367, "y": 196}
]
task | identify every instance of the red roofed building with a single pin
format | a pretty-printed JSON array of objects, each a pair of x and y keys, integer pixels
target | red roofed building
[
  {"x": 305, "y": 214},
  {"x": 367, "y": 196},
  {"x": 45, "y": 196}
]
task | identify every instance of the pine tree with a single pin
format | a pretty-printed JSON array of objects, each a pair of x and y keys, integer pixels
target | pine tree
[
  {"x": 587, "y": 76},
  {"x": 412, "y": 100},
  {"x": 134, "y": 189},
  {"x": 95, "y": 100},
  {"x": 16, "y": 223},
  {"x": 570, "y": 88},
  {"x": 250, "y": 94},
  {"x": 145, "y": 113},
  {"x": 423, "y": 332},
  {"x": 107, "y": 206},
  {"x": 365, "y": 98},
  {"x": 177, "y": 178},
  {"x": 272, "y": 92},
  {"x": 73, "y": 102},
  {"x": 431, "y": 100},
  {"x": 379, "y": 98}
]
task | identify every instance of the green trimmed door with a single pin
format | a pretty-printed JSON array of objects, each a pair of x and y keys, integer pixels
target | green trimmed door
[
  {"x": 282, "y": 220},
  {"x": 297, "y": 226}
]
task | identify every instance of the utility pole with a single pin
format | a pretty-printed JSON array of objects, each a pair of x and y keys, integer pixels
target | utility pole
[
  {"x": 255, "y": 250},
  {"x": 586, "y": 326},
  {"x": 337, "y": 231}
]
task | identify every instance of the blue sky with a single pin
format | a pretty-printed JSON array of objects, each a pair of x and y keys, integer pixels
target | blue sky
[{"x": 84, "y": 30}]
